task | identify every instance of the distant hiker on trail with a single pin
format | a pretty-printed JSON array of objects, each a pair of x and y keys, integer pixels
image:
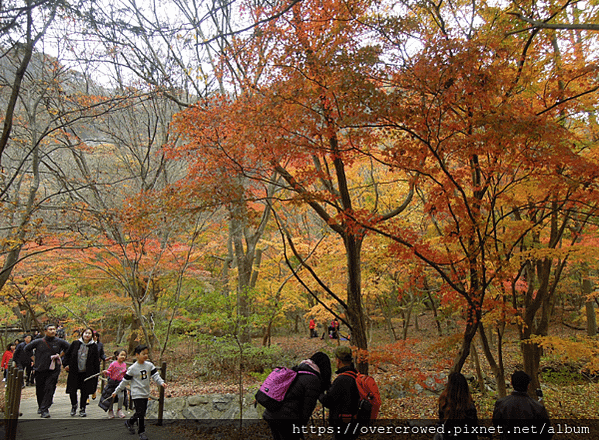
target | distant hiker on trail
[
  {"x": 313, "y": 378},
  {"x": 138, "y": 375},
  {"x": 312, "y": 326},
  {"x": 456, "y": 408},
  {"x": 115, "y": 373},
  {"x": 7, "y": 359},
  {"x": 343, "y": 398},
  {"x": 48, "y": 351},
  {"x": 82, "y": 361},
  {"x": 334, "y": 329},
  {"x": 519, "y": 415}
]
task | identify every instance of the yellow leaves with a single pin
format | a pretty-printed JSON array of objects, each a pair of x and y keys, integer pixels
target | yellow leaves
[{"x": 583, "y": 350}]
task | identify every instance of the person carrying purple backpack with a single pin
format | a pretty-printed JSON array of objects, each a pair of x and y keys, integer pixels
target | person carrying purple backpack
[{"x": 313, "y": 378}]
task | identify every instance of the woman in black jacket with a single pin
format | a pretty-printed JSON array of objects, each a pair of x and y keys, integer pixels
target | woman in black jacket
[
  {"x": 313, "y": 378},
  {"x": 82, "y": 361},
  {"x": 457, "y": 410}
]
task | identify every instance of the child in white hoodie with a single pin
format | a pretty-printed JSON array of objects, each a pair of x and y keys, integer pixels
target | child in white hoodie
[{"x": 138, "y": 375}]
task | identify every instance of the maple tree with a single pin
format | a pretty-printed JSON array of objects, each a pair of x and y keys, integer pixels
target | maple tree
[
  {"x": 497, "y": 164},
  {"x": 303, "y": 101}
]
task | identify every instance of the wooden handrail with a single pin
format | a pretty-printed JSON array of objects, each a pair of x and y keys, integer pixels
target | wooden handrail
[{"x": 14, "y": 384}]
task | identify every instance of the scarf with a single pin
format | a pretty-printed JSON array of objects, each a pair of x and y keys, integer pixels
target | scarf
[
  {"x": 310, "y": 363},
  {"x": 82, "y": 354}
]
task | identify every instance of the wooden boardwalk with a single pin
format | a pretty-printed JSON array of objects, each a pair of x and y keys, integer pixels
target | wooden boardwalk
[{"x": 96, "y": 426}]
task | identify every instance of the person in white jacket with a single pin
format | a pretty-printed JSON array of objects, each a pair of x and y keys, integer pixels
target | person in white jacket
[{"x": 138, "y": 375}]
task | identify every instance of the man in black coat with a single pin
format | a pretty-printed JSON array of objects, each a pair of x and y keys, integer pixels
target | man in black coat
[
  {"x": 520, "y": 416},
  {"x": 23, "y": 361},
  {"x": 343, "y": 398},
  {"x": 48, "y": 351}
]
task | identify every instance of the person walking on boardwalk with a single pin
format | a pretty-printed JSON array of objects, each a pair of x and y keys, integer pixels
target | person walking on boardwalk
[
  {"x": 23, "y": 361},
  {"x": 138, "y": 375},
  {"x": 7, "y": 359},
  {"x": 115, "y": 373},
  {"x": 82, "y": 361},
  {"x": 48, "y": 351}
]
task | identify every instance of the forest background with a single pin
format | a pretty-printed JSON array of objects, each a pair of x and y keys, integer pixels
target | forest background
[{"x": 202, "y": 170}]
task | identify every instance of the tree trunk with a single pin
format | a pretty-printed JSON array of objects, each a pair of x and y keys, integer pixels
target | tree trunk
[
  {"x": 354, "y": 312},
  {"x": 590, "y": 308},
  {"x": 497, "y": 367},
  {"x": 469, "y": 333}
]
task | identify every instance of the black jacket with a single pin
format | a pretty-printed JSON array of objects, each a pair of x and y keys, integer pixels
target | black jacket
[
  {"x": 521, "y": 410},
  {"x": 300, "y": 399},
  {"x": 44, "y": 349},
  {"x": 343, "y": 397},
  {"x": 92, "y": 366},
  {"x": 20, "y": 357}
]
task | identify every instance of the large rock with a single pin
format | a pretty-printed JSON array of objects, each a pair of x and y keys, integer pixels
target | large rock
[{"x": 206, "y": 408}]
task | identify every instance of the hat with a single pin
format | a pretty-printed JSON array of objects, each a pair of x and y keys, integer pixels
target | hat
[
  {"x": 344, "y": 354},
  {"x": 520, "y": 381}
]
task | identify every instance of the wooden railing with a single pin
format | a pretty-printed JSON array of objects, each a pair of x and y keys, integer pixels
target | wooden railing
[
  {"x": 161, "y": 395},
  {"x": 12, "y": 401}
]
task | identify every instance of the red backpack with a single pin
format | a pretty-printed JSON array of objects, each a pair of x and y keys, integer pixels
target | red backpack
[{"x": 370, "y": 398}]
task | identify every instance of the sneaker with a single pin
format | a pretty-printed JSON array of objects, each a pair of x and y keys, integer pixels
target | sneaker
[
  {"x": 94, "y": 396},
  {"x": 73, "y": 410},
  {"x": 120, "y": 413},
  {"x": 143, "y": 436},
  {"x": 82, "y": 413},
  {"x": 39, "y": 410},
  {"x": 110, "y": 414},
  {"x": 130, "y": 426},
  {"x": 45, "y": 414}
]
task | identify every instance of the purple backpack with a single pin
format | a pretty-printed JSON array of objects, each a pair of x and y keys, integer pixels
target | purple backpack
[{"x": 272, "y": 392}]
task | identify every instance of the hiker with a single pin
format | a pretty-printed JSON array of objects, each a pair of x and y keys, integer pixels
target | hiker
[
  {"x": 48, "y": 351},
  {"x": 138, "y": 375},
  {"x": 7, "y": 359},
  {"x": 334, "y": 329},
  {"x": 313, "y": 378},
  {"x": 312, "y": 326},
  {"x": 23, "y": 362},
  {"x": 519, "y": 415},
  {"x": 82, "y": 361},
  {"x": 115, "y": 373},
  {"x": 343, "y": 398},
  {"x": 456, "y": 408}
]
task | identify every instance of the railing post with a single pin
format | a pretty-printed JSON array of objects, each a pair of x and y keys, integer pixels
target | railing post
[
  {"x": 14, "y": 384},
  {"x": 161, "y": 395},
  {"x": 101, "y": 381}
]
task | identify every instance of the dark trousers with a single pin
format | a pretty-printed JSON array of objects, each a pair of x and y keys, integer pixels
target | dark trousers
[
  {"x": 83, "y": 401},
  {"x": 45, "y": 386},
  {"x": 141, "y": 406},
  {"x": 29, "y": 374}
]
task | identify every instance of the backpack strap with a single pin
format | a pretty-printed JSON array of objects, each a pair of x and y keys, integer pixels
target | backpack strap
[{"x": 350, "y": 374}]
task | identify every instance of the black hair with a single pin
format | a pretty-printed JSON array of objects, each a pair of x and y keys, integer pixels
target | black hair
[
  {"x": 49, "y": 325},
  {"x": 118, "y": 351},
  {"x": 324, "y": 364},
  {"x": 520, "y": 381},
  {"x": 9, "y": 346},
  {"x": 140, "y": 348}
]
